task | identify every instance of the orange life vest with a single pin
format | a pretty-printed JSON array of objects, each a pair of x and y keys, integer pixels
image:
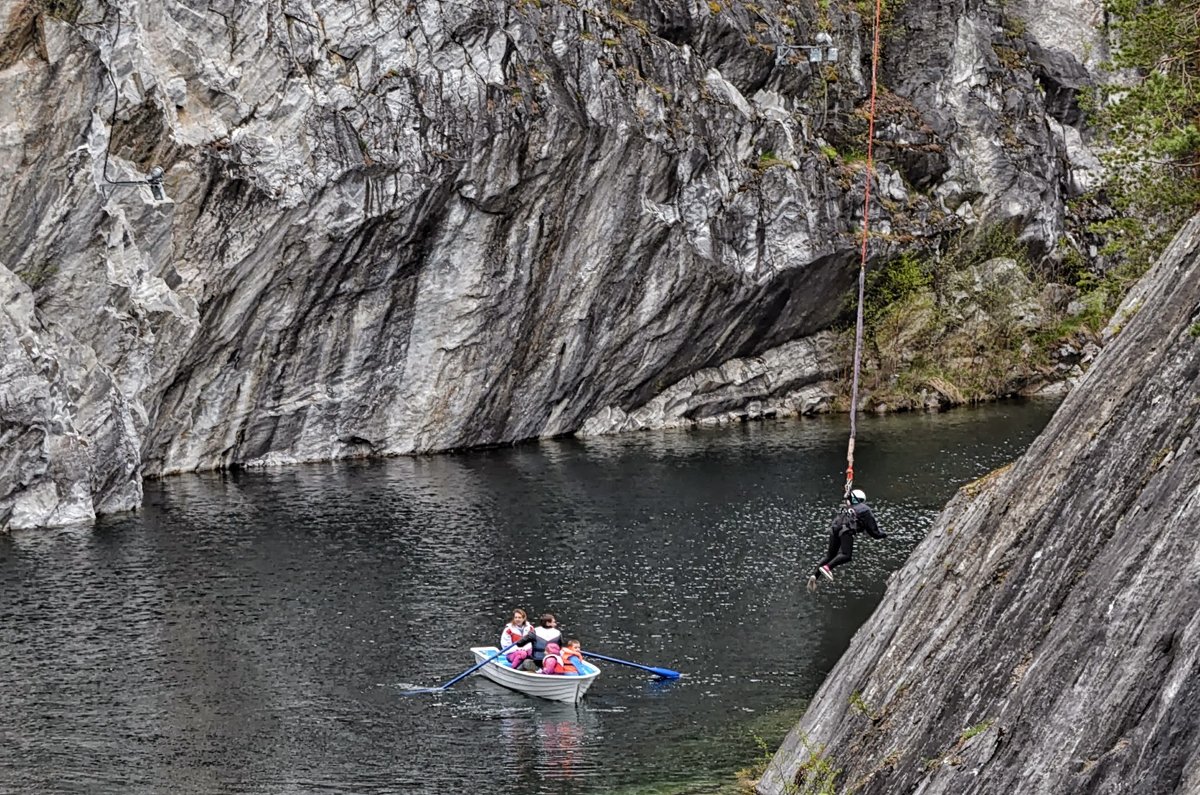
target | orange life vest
[{"x": 569, "y": 666}]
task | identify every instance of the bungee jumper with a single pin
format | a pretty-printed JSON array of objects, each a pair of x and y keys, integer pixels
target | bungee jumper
[{"x": 854, "y": 515}]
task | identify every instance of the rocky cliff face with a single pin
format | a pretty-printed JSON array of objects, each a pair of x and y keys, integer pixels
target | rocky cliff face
[
  {"x": 1045, "y": 636},
  {"x": 394, "y": 227}
]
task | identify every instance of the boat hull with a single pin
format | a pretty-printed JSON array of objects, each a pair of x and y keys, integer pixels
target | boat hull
[{"x": 569, "y": 688}]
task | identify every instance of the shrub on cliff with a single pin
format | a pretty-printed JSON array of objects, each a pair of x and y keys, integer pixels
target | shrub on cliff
[{"x": 1150, "y": 123}]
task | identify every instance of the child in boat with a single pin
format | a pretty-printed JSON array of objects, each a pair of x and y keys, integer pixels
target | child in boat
[
  {"x": 572, "y": 657},
  {"x": 563, "y": 660},
  {"x": 514, "y": 631},
  {"x": 552, "y": 663}
]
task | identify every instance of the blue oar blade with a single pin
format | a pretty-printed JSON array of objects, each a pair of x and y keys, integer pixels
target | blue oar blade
[{"x": 666, "y": 673}]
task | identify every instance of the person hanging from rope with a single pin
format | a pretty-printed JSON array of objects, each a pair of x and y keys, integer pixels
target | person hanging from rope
[{"x": 853, "y": 515}]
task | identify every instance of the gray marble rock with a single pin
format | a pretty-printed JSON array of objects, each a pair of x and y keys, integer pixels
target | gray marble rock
[
  {"x": 1045, "y": 635},
  {"x": 66, "y": 435},
  {"x": 792, "y": 380},
  {"x": 402, "y": 227}
]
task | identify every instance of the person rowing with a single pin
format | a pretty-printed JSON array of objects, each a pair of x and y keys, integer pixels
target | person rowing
[{"x": 545, "y": 633}]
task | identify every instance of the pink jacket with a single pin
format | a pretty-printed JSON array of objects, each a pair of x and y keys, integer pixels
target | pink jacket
[{"x": 552, "y": 663}]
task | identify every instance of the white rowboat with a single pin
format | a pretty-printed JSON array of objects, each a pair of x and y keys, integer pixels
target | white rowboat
[{"x": 556, "y": 687}]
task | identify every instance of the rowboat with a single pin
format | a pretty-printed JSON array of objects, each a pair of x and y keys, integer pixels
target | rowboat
[{"x": 555, "y": 687}]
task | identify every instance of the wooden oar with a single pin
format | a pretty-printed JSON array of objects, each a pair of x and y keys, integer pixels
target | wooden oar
[
  {"x": 460, "y": 677},
  {"x": 665, "y": 673}
]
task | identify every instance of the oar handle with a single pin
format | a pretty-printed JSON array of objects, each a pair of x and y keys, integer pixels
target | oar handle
[{"x": 665, "y": 673}]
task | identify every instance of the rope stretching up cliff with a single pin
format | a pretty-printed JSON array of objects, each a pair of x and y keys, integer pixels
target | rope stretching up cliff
[{"x": 862, "y": 267}]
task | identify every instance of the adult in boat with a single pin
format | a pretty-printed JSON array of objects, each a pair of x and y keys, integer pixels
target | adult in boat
[
  {"x": 545, "y": 633},
  {"x": 854, "y": 515},
  {"x": 513, "y": 631}
]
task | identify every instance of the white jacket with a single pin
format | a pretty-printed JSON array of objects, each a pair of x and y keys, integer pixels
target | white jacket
[{"x": 512, "y": 633}]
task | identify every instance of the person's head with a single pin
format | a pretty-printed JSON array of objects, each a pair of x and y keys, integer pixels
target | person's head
[
  {"x": 518, "y": 617},
  {"x": 553, "y": 648},
  {"x": 547, "y": 620},
  {"x": 573, "y": 643},
  {"x": 857, "y": 496}
]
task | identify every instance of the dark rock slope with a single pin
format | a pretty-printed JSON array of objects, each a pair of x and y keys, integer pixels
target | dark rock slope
[{"x": 1045, "y": 636}]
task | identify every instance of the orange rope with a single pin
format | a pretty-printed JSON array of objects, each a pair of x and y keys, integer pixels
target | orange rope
[{"x": 862, "y": 268}]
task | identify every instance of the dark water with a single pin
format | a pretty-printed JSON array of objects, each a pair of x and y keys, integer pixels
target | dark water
[{"x": 255, "y": 632}]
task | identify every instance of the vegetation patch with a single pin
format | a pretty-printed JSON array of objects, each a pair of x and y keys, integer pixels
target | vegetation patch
[
  {"x": 640, "y": 25},
  {"x": 748, "y": 776},
  {"x": 38, "y": 274},
  {"x": 970, "y": 321},
  {"x": 817, "y": 776},
  {"x": 866, "y": 10},
  {"x": 768, "y": 160},
  {"x": 951, "y": 757},
  {"x": 894, "y": 283},
  {"x": 973, "y": 488},
  {"x": 859, "y": 705},
  {"x": 775, "y": 727},
  {"x": 977, "y": 729},
  {"x": 1151, "y": 130}
]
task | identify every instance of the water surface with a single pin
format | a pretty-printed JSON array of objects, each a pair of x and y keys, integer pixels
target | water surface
[{"x": 255, "y": 632}]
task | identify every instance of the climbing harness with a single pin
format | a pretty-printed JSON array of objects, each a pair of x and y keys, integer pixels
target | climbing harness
[{"x": 862, "y": 267}]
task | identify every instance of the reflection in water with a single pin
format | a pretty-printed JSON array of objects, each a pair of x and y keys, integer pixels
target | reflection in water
[
  {"x": 548, "y": 741},
  {"x": 250, "y": 632}
]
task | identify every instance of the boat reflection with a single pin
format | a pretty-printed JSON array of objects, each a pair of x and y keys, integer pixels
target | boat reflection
[{"x": 552, "y": 741}]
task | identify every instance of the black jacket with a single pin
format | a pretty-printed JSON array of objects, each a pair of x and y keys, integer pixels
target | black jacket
[
  {"x": 854, "y": 518},
  {"x": 541, "y": 637}
]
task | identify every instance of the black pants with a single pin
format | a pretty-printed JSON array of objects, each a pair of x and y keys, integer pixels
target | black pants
[{"x": 841, "y": 548}]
